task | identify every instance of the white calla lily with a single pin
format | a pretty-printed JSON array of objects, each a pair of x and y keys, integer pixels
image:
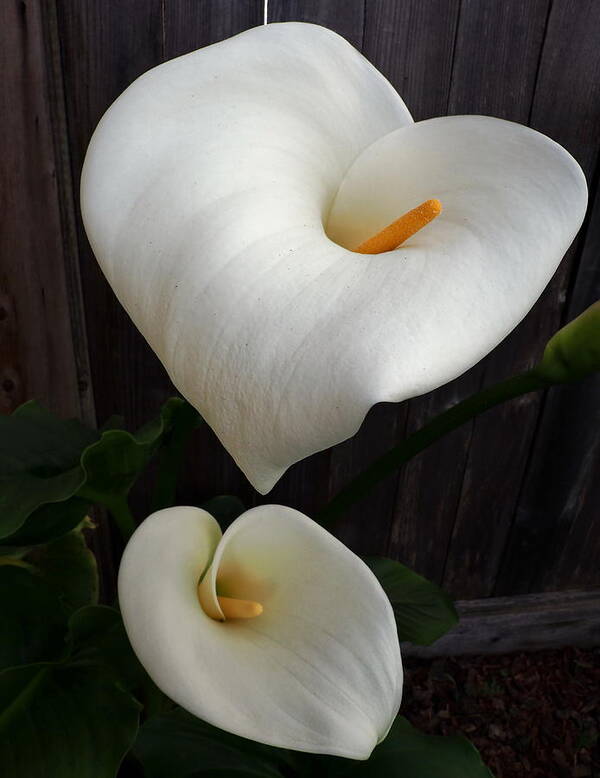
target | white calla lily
[
  {"x": 224, "y": 192},
  {"x": 307, "y": 657}
]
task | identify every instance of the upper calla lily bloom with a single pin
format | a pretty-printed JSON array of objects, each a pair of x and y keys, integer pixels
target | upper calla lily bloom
[
  {"x": 274, "y": 631},
  {"x": 234, "y": 199}
]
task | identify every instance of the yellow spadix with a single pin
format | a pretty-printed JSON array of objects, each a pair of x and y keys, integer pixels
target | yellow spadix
[{"x": 394, "y": 235}]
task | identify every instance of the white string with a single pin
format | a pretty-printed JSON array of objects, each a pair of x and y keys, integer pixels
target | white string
[{"x": 266, "y": 12}]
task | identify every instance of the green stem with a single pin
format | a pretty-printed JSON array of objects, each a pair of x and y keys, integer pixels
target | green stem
[
  {"x": 155, "y": 702},
  {"x": 117, "y": 506},
  {"x": 440, "y": 425},
  {"x": 121, "y": 513},
  {"x": 171, "y": 460}
]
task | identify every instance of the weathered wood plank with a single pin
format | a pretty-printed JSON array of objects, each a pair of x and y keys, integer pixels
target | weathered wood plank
[
  {"x": 494, "y": 68},
  {"x": 529, "y": 622},
  {"x": 412, "y": 45},
  {"x": 104, "y": 47},
  {"x": 43, "y": 347},
  {"x": 559, "y": 492},
  {"x": 100, "y": 540},
  {"x": 187, "y": 26},
  {"x": 68, "y": 216},
  {"x": 346, "y": 17},
  {"x": 573, "y": 559},
  {"x": 555, "y": 540},
  {"x": 429, "y": 487},
  {"x": 36, "y": 339},
  {"x": 435, "y": 520},
  {"x": 306, "y": 485}
]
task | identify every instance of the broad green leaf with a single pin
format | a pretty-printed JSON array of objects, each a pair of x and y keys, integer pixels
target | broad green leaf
[
  {"x": 114, "y": 463},
  {"x": 46, "y": 463},
  {"x": 69, "y": 568},
  {"x": 406, "y": 753},
  {"x": 32, "y": 618},
  {"x": 50, "y": 521},
  {"x": 23, "y": 493},
  {"x": 33, "y": 440},
  {"x": 423, "y": 611},
  {"x": 97, "y": 636},
  {"x": 178, "y": 745},
  {"x": 63, "y": 721},
  {"x": 39, "y": 462}
]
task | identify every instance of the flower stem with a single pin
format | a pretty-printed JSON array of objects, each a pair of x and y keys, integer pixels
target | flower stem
[
  {"x": 118, "y": 508},
  {"x": 171, "y": 458},
  {"x": 116, "y": 504},
  {"x": 438, "y": 426}
]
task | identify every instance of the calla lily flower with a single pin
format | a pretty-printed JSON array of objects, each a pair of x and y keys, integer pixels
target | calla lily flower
[
  {"x": 274, "y": 631},
  {"x": 237, "y": 199}
]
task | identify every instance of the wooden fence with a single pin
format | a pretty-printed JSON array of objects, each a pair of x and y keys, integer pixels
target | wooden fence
[{"x": 506, "y": 505}]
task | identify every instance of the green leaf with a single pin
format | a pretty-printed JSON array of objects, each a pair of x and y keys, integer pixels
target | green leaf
[
  {"x": 34, "y": 440},
  {"x": 113, "y": 464},
  {"x": 50, "y": 521},
  {"x": 69, "y": 568},
  {"x": 32, "y": 618},
  {"x": 61, "y": 721},
  {"x": 46, "y": 463},
  {"x": 406, "y": 753},
  {"x": 65, "y": 713},
  {"x": 39, "y": 462},
  {"x": 22, "y": 494},
  {"x": 97, "y": 636},
  {"x": 423, "y": 611},
  {"x": 178, "y": 745}
]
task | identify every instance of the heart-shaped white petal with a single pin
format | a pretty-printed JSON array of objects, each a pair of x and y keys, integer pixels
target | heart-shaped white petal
[
  {"x": 206, "y": 192},
  {"x": 319, "y": 670},
  {"x": 513, "y": 201}
]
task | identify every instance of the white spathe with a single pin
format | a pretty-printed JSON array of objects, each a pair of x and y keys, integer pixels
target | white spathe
[
  {"x": 319, "y": 670},
  {"x": 224, "y": 190}
]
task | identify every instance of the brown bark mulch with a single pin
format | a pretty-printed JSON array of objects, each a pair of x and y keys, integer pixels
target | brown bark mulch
[{"x": 535, "y": 715}]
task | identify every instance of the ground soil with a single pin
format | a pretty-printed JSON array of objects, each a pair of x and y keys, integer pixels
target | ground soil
[{"x": 535, "y": 715}]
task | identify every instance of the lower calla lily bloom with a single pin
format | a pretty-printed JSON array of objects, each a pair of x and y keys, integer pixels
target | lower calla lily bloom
[
  {"x": 274, "y": 631},
  {"x": 257, "y": 207}
]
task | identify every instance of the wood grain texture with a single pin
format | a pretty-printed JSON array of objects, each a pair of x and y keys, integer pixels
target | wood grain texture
[
  {"x": 102, "y": 539},
  {"x": 529, "y": 622},
  {"x": 37, "y": 356},
  {"x": 555, "y": 538},
  {"x": 445, "y": 495},
  {"x": 562, "y": 472},
  {"x": 104, "y": 47},
  {"x": 346, "y": 17},
  {"x": 67, "y": 209},
  {"x": 509, "y": 503},
  {"x": 306, "y": 486},
  {"x": 496, "y": 64},
  {"x": 43, "y": 346},
  {"x": 413, "y": 46},
  {"x": 412, "y": 43},
  {"x": 189, "y": 25}
]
